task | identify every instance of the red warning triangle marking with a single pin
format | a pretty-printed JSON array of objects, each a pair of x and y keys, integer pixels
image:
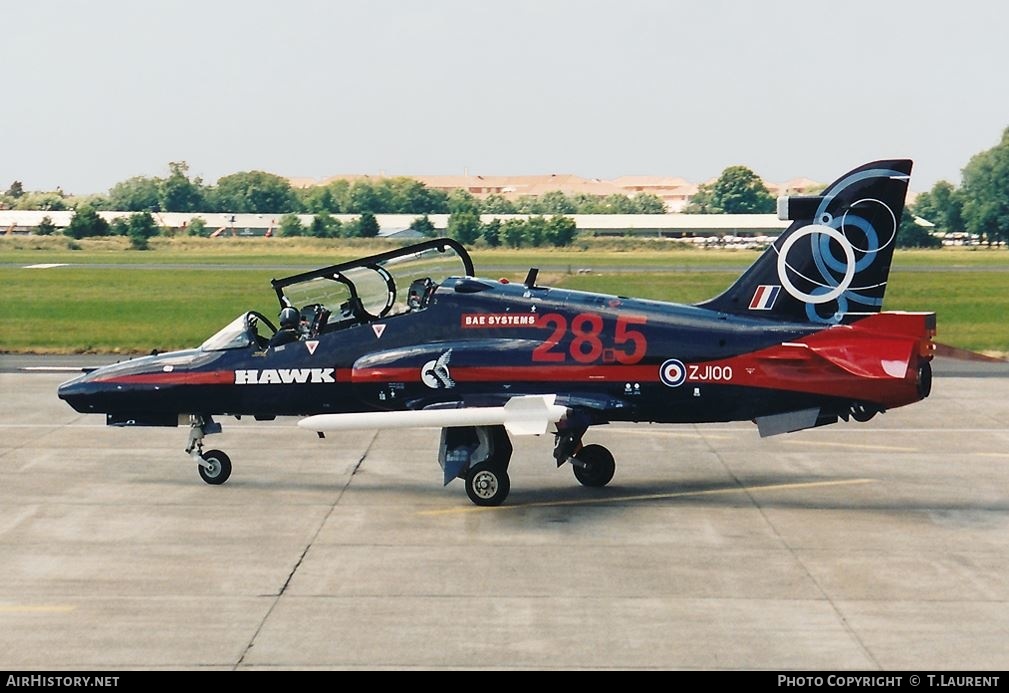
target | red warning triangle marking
[
  {"x": 378, "y": 329},
  {"x": 311, "y": 345}
]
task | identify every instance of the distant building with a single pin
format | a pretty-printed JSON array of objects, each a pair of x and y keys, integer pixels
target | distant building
[
  {"x": 675, "y": 192},
  {"x": 723, "y": 227},
  {"x": 217, "y": 224},
  {"x": 795, "y": 186},
  {"x": 510, "y": 187}
]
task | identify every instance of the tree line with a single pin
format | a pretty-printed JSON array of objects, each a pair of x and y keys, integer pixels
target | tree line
[
  {"x": 258, "y": 192},
  {"x": 464, "y": 226},
  {"x": 265, "y": 193},
  {"x": 980, "y": 206},
  {"x": 87, "y": 223}
]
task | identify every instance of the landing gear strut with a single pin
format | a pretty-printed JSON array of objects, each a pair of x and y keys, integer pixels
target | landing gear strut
[
  {"x": 479, "y": 455},
  {"x": 213, "y": 465}
]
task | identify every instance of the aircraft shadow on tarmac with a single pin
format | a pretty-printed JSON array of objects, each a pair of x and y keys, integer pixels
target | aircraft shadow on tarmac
[
  {"x": 801, "y": 492},
  {"x": 781, "y": 491}
]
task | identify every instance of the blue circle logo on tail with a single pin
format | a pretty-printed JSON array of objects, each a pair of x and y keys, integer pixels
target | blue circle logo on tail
[{"x": 672, "y": 373}]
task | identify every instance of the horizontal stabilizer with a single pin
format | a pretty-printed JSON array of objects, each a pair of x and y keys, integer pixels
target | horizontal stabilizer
[
  {"x": 522, "y": 416},
  {"x": 792, "y": 207}
]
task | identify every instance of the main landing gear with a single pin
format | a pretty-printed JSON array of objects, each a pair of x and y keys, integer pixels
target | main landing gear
[
  {"x": 593, "y": 465},
  {"x": 479, "y": 455},
  {"x": 213, "y": 465}
]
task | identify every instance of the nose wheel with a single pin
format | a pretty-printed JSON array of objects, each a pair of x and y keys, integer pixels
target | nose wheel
[{"x": 214, "y": 467}]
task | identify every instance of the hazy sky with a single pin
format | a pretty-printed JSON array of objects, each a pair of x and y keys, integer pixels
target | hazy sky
[{"x": 96, "y": 91}]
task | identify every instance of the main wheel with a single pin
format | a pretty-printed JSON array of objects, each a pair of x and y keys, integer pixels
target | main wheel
[
  {"x": 219, "y": 467},
  {"x": 597, "y": 466},
  {"x": 487, "y": 485}
]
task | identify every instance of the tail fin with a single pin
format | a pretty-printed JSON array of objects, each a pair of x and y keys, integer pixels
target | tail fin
[{"x": 834, "y": 258}]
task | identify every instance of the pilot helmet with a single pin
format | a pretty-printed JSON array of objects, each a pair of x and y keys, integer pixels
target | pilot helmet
[{"x": 289, "y": 318}]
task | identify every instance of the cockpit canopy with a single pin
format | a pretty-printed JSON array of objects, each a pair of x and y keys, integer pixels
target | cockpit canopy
[{"x": 377, "y": 287}]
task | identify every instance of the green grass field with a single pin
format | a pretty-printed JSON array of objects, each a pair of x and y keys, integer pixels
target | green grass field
[
  {"x": 970, "y": 305},
  {"x": 114, "y": 309},
  {"x": 313, "y": 252}
]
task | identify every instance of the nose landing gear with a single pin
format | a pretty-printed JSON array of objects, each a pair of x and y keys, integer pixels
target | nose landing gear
[{"x": 213, "y": 465}]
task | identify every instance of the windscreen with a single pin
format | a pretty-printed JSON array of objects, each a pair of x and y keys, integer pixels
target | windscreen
[
  {"x": 243, "y": 331},
  {"x": 234, "y": 335}
]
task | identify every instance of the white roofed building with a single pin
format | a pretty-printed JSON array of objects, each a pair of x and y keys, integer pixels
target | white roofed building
[{"x": 395, "y": 225}]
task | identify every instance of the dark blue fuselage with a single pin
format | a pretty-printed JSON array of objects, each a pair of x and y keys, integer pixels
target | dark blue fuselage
[{"x": 599, "y": 352}]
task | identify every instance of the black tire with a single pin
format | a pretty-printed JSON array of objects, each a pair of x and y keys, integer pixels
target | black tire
[
  {"x": 220, "y": 467},
  {"x": 862, "y": 413},
  {"x": 597, "y": 466},
  {"x": 925, "y": 380},
  {"x": 487, "y": 485}
]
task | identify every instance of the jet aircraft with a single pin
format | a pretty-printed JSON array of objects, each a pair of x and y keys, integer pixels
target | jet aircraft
[{"x": 414, "y": 338}]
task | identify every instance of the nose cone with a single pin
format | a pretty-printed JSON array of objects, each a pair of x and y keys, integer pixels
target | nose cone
[
  {"x": 80, "y": 393},
  {"x": 141, "y": 386},
  {"x": 102, "y": 389}
]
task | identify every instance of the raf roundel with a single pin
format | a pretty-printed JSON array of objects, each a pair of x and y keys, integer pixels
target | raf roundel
[{"x": 673, "y": 373}]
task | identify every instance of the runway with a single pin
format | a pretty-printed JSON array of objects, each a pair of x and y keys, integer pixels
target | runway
[{"x": 882, "y": 545}]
